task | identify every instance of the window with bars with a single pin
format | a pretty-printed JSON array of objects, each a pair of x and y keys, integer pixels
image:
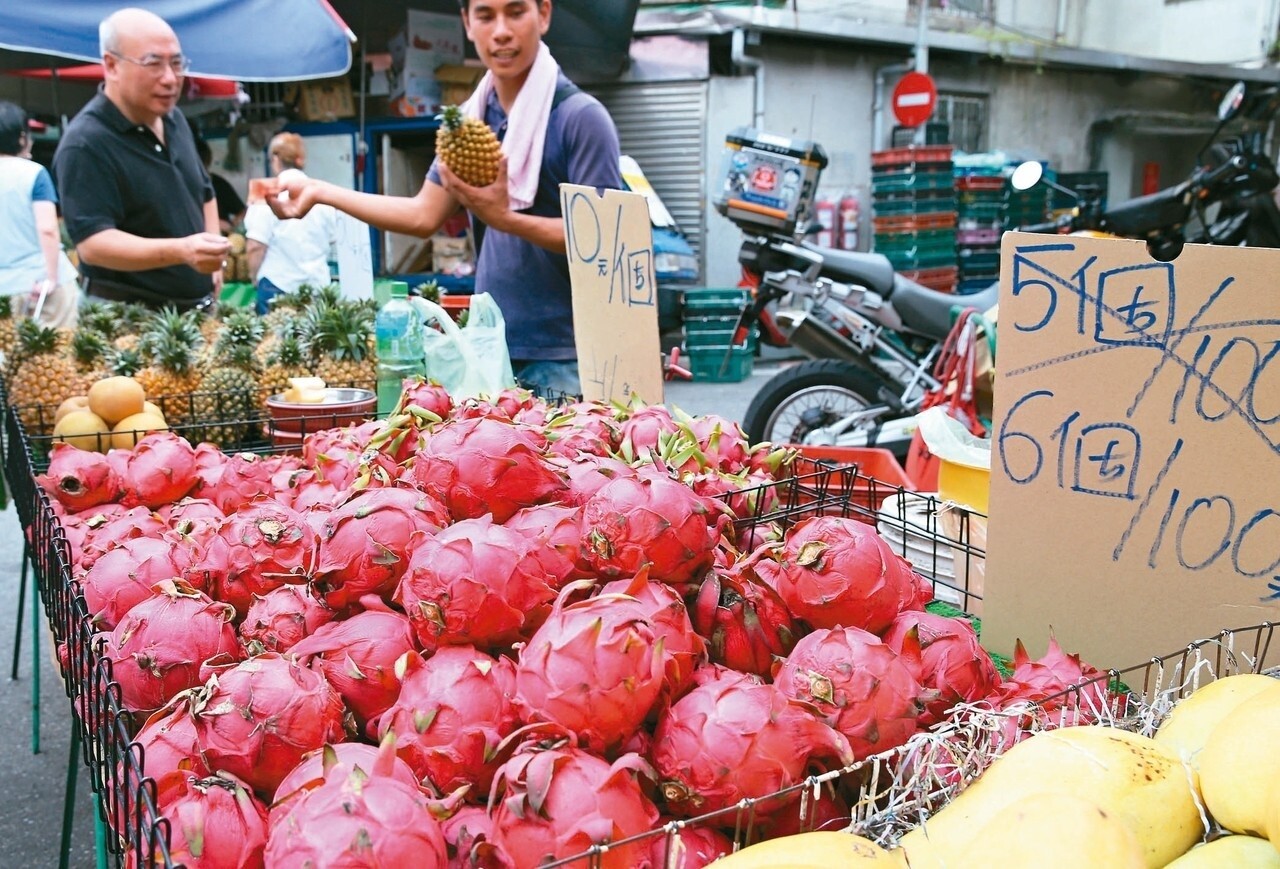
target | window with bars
[{"x": 966, "y": 118}]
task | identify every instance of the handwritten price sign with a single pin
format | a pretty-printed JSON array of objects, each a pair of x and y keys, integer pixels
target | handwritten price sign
[
  {"x": 1135, "y": 490},
  {"x": 615, "y": 298}
]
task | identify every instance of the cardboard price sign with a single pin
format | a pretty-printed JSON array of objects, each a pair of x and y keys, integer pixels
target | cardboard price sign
[
  {"x": 1136, "y": 447},
  {"x": 615, "y": 295}
]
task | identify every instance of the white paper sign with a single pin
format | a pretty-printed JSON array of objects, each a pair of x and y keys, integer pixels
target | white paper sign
[{"x": 355, "y": 259}]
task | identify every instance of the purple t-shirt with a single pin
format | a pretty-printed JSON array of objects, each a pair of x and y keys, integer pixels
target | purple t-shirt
[{"x": 530, "y": 283}]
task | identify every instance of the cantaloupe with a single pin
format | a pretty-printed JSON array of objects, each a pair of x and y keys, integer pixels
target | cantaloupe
[
  {"x": 133, "y": 428},
  {"x": 114, "y": 398},
  {"x": 83, "y": 429},
  {"x": 148, "y": 407},
  {"x": 75, "y": 402}
]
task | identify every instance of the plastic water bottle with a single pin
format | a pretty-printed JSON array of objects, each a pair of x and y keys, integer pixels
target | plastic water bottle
[{"x": 399, "y": 333}]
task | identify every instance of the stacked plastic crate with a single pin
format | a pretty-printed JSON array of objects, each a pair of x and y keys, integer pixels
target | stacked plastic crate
[
  {"x": 980, "y": 196},
  {"x": 710, "y": 316},
  {"x": 914, "y": 212},
  {"x": 1025, "y": 207}
]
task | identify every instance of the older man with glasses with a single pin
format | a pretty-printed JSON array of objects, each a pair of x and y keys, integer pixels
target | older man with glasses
[{"x": 135, "y": 195}]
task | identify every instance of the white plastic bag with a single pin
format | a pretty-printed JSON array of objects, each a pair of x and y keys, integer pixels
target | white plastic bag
[{"x": 468, "y": 361}]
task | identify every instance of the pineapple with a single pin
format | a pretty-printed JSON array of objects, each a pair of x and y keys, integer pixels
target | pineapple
[
  {"x": 8, "y": 326},
  {"x": 89, "y": 350},
  {"x": 468, "y": 147},
  {"x": 44, "y": 377},
  {"x": 133, "y": 319},
  {"x": 101, "y": 317},
  {"x": 287, "y": 360},
  {"x": 340, "y": 340},
  {"x": 124, "y": 363},
  {"x": 171, "y": 343},
  {"x": 229, "y": 389}
]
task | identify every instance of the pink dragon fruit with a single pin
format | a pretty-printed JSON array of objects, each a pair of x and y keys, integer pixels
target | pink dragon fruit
[
  {"x": 557, "y": 802},
  {"x": 157, "y": 648},
  {"x": 366, "y": 542},
  {"x": 110, "y": 525},
  {"x": 1057, "y": 689},
  {"x": 196, "y": 519},
  {"x": 683, "y": 651},
  {"x": 305, "y": 489},
  {"x": 485, "y": 466},
  {"x": 631, "y": 522},
  {"x": 209, "y": 464},
  {"x": 733, "y": 737},
  {"x": 839, "y": 572},
  {"x": 80, "y": 479},
  {"x": 720, "y": 444},
  {"x": 215, "y": 822},
  {"x": 358, "y": 656},
  {"x": 952, "y": 661},
  {"x": 429, "y": 396},
  {"x": 453, "y": 712},
  {"x": 279, "y": 619},
  {"x": 335, "y": 763},
  {"x": 826, "y": 811},
  {"x": 256, "y": 719},
  {"x": 122, "y": 578},
  {"x": 469, "y": 837},
  {"x": 168, "y": 742},
  {"x": 860, "y": 686},
  {"x": 747, "y": 495},
  {"x": 587, "y": 474},
  {"x": 688, "y": 848},
  {"x": 556, "y": 533},
  {"x": 595, "y": 668},
  {"x": 745, "y": 622},
  {"x": 161, "y": 470},
  {"x": 474, "y": 583},
  {"x": 257, "y": 549},
  {"x": 582, "y": 428},
  {"x": 643, "y": 430},
  {"x": 242, "y": 477},
  {"x": 359, "y": 820}
]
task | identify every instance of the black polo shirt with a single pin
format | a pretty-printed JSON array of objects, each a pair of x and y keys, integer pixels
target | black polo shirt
[{"x": 114, "y": 174}]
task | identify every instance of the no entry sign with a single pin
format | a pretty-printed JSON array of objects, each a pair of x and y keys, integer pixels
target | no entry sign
[{"x": 914, "y": 98}]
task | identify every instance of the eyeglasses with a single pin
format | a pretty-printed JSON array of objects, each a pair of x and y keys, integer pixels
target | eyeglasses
[{"x": 156, "y": 65}]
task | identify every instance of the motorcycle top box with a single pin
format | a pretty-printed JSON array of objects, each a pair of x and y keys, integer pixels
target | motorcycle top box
[{"x": 768, "y": 182}]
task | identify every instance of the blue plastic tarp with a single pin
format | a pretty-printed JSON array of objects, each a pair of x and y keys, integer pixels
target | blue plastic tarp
[{"x": 245, "y": 40}]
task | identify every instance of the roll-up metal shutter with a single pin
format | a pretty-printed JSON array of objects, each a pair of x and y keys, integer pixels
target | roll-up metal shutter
[{"x": 663, "y": 126}]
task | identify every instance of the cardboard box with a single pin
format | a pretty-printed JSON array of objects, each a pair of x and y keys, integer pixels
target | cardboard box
[
  {"x": 457, "y": 81},
  {"x": 451, "y": 255},
  {"x": 324, "y": 100},
  {"x": 414, "y": 94},
  {"x": 427, "y": 40}
]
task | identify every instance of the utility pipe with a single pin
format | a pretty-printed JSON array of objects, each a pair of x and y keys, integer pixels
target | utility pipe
[
  {"x": 740, "y": 58},
  {"x": 878, "y": 101}
]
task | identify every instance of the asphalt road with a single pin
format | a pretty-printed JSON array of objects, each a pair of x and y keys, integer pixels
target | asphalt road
[{"x": 32, "y": 786}]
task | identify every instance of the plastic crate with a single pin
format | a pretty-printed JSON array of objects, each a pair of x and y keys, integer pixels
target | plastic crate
[
  {"x": 714, "y": 332},
  {"x": 978, "y": 237},
  {"x": 879, "y": 472},
  {"x": 708, "y": 364},
  {"x": 967, "y": 286},
  {"x": 934, "y": 259},
  {"x": 713, "y": 301},
  {"x": 943, "y": 280},
  {"x": 911, "y": 241},
  {"x": 911, "y": 205},
  {"x": 985, "y": 183},
  {"x": 911, "y": 154},
  {"x": 912, "y": 181},
  {"x": 915, "y": 222}
]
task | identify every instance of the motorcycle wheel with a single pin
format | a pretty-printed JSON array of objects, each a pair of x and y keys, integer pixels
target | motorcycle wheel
[{"x": 807, "y": 396}]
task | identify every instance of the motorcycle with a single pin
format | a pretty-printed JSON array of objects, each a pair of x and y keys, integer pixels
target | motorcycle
[{"x": 872, "y": 336}]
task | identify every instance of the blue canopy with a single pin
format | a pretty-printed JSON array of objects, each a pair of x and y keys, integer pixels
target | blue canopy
[{"x": 246, "y": 40}]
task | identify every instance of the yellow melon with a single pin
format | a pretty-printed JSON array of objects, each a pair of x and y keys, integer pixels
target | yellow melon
[
  {"x": 821, "y": 849},
  {"x": 74, "y": 403},
  {"x": 1189, "y": 724},
  {"x": 114, "y": 398},
  {"x": 1240, "y": 764},
  {"x": 83, "y": 429},
  {"x": 1230, "y": 852},
  {"x": 133, "y": 428}
]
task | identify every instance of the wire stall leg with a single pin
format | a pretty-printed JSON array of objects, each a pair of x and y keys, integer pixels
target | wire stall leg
[
  {"x": 22, "y": 602},
  {"x": 35, "y": 665},
  {"x": 69, "y": 798},
  {"x": 99, "y": 838}
]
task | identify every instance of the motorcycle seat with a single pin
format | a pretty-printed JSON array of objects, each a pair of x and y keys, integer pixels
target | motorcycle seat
[
  {"x": 870, "y": 270},
  {"x": 928, "y": 312}
]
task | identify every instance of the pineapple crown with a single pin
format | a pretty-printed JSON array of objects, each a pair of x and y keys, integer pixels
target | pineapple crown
[
  {"x": 168, "y": 330},
  {"x": 288, "y": 352},
  {"x": 451, "y": 118},
  {"x": 241, "y": 331},
  {"x": 100, "y": 317},
  {"x": 125, "y": 363},
  {"x": 6, "y": 307},
  {"x": 88, "y": 346},
  {"x": 34, "y": 339},
  {"x": 339, "y": 331}
]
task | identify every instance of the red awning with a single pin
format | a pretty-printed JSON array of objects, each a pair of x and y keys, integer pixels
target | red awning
[{"x": 197, "y": 88}]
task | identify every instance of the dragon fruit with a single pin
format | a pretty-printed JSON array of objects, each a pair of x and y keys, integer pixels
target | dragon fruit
[
  {"x": 168, "y": 741},
  {"x": 123, "y": 577},
  {"x": 452, "y": 714},
  {"x": 485, "y": 466},
  {"x": 587, "y": 474},
  {"x": 80, "y": 479},
  {"x": 358, "y": 656},
  {"x": 826, "y": 810},
  {"x": 196, "y": 519},
  {"x": 334, "y": 763},
  {"x": 469, "y": 837},
  {"x": 683, "y": 651},
  {"x": 556, "y": 533},
  {"x": 860, "y": 686},
  {"x": 214, "y": 822},
  {"x": 595, "y": 668},
  {"x": 474, "y": 583},
  {"x": 745, "y": 622},
  {"x": 733, "y": 737},
  {"x": 428, "y": 395},
  {"x": 631, "y": 522},
  {"x": 1054, "y": 690},
  {"x": 366, "y": 542},
  {"x": 718, "y": 444},
  {"x": 241, "y": 478},
  {"x": 157, "y": 648},
  {"x": 279, "y": 619},
  {"x": 257, "y": 549},
  {"x": 952, "y": 661},
  {"x": 305, "y": 489},
  {"x": 582, "y": 429},
  {"x": 256, "y": 719},
  {"x": 112, "y": 525},
  {"x": 161, "y": 470},
  {"x": 689, "y": 848},
  {"x": 550, "y": 803},
  {"x": 359, "y": 820},
  {"x": 643, "y": 430},
  {"x": 839, "y": 572}
]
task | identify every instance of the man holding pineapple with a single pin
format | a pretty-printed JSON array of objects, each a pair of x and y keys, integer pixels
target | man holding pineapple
[
  {"x": 135, "y": 196},
  {"x": 551, "y": 133}
]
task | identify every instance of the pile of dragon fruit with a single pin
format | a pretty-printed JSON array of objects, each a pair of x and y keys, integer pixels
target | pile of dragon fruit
[{"x": 496, "y": 634}]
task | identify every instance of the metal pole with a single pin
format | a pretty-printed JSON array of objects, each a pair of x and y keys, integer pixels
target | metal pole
[
  {"x": 22, "y": 601},
  {"x": 69, "y": 798},
  {"x": 922, "y": 57},
  {"x": 35, "y": 661}
]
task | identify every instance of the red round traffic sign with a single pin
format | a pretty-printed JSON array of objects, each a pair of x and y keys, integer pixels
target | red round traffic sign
[{"x": 914, "y": 98}]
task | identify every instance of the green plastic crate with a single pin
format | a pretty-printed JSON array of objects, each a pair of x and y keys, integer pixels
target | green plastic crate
[
  {"x": 713, "y": 301},
  {"x": 925, "y": 205},
  {"x": 912, "y": 182},
  {"x": 706, "y": 331},
  {"x": 706, "y": 362}
]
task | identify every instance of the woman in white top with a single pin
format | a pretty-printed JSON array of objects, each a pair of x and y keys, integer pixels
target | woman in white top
[
  {"x": 285, "y": 254},
  {"x": 30, "y": 244}
]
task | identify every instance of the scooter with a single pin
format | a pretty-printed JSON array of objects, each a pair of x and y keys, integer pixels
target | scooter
[{"x": 873, "y": 335}]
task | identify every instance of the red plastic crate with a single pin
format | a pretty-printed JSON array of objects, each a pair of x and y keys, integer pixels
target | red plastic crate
[
  {"x": 915, "y": 222},
  {"x": 980, "y": 182},
  {"x": 911, "y": 154},
  {"x": 880, "y": 474}
]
